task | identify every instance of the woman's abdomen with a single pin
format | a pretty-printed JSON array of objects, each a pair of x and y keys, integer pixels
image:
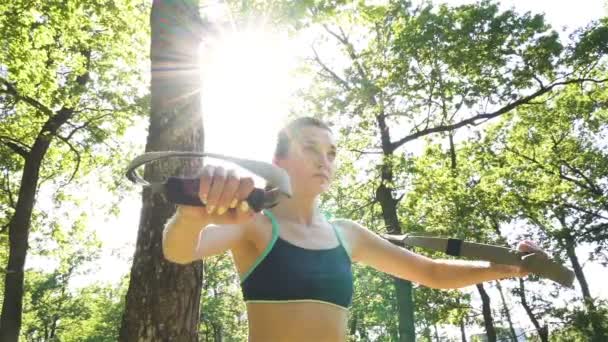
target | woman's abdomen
[{"x": 296, "y": 321}]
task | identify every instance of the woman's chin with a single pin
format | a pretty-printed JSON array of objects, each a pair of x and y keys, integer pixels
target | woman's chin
[
  {"x": 323, "y": 188},
  {"x": 316, "y": 190}
]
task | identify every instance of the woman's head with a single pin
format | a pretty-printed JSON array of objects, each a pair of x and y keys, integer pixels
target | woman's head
[{"x": 306, "y": 149}]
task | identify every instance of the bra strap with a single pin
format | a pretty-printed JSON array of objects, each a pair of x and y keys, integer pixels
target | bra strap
[
  {"x": 341, "y": 239},
  {"x": 273, "y": 221}
]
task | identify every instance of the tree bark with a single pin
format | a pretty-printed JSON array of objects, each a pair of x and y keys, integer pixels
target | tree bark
[
  {"x": 452, "y": 150},
  {"x": 353, "y": 325},
  {"x": 463, "y": 333},
  {"x": 436, "y": 332},
  {"x": 405, "y": 308},
  {"x": 543, "y": 331},
  {"x": 506, "y": 311},
  {"x": 578, "y": 269},
  {"x": 594, "y": 317},
  {"x": 487, "y": 314},
  {"x": 403, "y": 288},
  {"x": 384, "y": 194},
  {"x": 163, "y": 299},
  {"x": 19, "y": 227}
]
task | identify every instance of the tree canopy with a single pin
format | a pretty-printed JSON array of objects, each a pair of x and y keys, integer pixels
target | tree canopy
[{"x": 473, "y": 121}]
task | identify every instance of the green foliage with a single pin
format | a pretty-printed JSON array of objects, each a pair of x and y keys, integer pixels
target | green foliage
[
  {"x": 82, "y": 58},
  {"x": 223, "y": 315},
  {"x": 70, "y": 75},
  {"x": 52, "y": 312},
  {"x": 555, "y": 163},
  {"x": 408, "y": 72},
  {"x": 418, "y": 70},
  {"x": 293, "y": 15},
  {"x": 53, "y": 308},
  {"x": 371, "y": 314},
  {"x": 578, "y": 323}
]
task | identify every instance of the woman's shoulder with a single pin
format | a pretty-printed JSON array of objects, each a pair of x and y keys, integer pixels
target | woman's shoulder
[
  {"x": 351, "y": 230},
  {"x": 260, "y": 226},
  {"x": 345, "y": 224}
]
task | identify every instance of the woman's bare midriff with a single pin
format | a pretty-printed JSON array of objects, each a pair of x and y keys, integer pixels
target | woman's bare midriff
[{"x": 296, "y": 321}]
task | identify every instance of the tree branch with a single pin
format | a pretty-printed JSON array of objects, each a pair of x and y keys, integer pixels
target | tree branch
[
  {"x": 360, "y": 208},
  {"x": 364, "y": 152},
  {"x": 342, "y": 38},
  {"x": 16, "y": 145},
  {"x": 487, "y": 116},
  {"x": 586, "y": 211},
  {"x": 560, "y": 174},
  {"x": 11, "y": 90},
  {"x": 594, "y": 229},
  {"x": 86, "y": 124},
  {"x": 73, "y": 149},
  {"x": 329, "y": 71},
  {"x": 592, "y": 187}
]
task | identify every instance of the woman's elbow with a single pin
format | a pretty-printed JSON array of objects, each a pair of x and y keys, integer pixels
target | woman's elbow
[
  {"x": 435, "y": 277},
  {"x": 177, "y": 259},
  {"x": 176, "y": 256}
]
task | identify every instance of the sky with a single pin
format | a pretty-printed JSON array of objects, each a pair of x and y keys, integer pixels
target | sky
[{"x": 241, "y": 86}]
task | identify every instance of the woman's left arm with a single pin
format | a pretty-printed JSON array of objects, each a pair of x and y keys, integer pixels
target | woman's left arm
[{"x": 369, "y": 248}]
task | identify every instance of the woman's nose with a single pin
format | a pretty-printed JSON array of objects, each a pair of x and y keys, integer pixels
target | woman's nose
[{"x": 323, "y": 162}]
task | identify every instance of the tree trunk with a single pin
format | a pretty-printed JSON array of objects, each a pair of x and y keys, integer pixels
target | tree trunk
[
  {"x": 403, "y": 288},
  {"x": 217, "y": 332},
  {"x": 54, "y": 327},
  {"x": 436, "y": 332},
  {"x": 487, "y": 314},
  {"x": 363, "y": 333},
  {"x": 543, "y": 332},
  {"x": 594, "y": 317},
  {"x": 163, "y": 299},
  {"x": 19, "y": 228},
  {"x": 405, "y": 308},
  {"x": 506, "y": 312},
  {"x": 452, "y": 150},
  {"x": 384, "y": 195},
  {"x": 578, "y": 269},
  {"x": 463, "y": 333},
  {"x": 353, "y": 325}
]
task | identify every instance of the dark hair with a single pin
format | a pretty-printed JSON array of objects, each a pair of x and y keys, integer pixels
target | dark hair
[{"x": 291, "y": 130}]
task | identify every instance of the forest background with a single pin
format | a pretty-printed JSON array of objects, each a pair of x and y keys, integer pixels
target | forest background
[{"x": 482, "y": 120}]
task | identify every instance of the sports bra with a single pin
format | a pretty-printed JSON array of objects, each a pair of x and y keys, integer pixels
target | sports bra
[{"x": 285, "y": 272}]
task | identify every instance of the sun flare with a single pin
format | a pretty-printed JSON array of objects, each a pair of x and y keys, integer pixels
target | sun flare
[{"x": 247, "y": 85}]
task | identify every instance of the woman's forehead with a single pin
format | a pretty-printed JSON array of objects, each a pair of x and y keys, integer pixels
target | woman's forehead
[{"x": 316, "y": 135}]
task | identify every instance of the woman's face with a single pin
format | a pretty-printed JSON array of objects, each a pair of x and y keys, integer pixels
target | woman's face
[{"x": 310, "y": 160}]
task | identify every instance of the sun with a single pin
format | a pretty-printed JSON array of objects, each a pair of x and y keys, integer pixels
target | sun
[{"x": 247, "y": 83}]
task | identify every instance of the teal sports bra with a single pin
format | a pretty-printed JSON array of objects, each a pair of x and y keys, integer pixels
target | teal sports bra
[{"x": 285, "y": 272}]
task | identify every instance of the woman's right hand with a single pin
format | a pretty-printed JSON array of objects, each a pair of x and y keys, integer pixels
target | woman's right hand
[{"x": 224, "y": 195}]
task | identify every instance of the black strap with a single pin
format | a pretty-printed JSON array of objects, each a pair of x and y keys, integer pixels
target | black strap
[{"x": 453, "y": 247}]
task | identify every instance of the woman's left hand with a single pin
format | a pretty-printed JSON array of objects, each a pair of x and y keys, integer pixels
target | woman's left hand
[{"x": 525, "y": 246}]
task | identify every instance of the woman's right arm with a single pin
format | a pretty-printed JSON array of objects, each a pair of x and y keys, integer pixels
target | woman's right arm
[{"x": 196, "y": 232}]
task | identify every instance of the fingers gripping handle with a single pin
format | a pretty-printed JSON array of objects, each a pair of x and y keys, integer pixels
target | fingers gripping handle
[{"x": 184, "y": 191}]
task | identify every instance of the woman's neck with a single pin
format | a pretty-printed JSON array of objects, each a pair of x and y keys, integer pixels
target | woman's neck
[{"x": 304, "y": 211}]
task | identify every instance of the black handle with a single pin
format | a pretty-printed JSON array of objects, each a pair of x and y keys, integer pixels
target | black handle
[{"x": 184, "y": 191}]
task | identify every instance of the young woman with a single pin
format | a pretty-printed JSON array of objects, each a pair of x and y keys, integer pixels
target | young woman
[{"x": 295, "y": 266}]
